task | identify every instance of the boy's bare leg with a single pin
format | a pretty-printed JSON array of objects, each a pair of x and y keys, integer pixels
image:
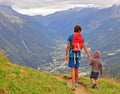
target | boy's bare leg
[
  {"x": 92, "y": 80},
  {"x": 96, "y": 81}
]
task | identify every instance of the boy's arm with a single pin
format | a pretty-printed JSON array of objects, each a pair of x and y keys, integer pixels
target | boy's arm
[
  {"x": 101, "y": 69},
  {"x": 87, "y": 51},
  {"x": 67, "y": 51}
]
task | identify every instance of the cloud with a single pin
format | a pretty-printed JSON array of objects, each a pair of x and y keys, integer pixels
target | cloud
[
  {"x": 45, "y": 7},
  {"x": 36, "y": 11}
]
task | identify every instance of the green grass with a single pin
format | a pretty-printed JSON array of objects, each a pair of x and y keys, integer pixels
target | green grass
[
  {"x": 15, "y": 79},
  {"x": 106, "y": 86}
]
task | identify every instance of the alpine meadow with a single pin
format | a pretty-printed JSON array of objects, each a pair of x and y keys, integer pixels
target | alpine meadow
[{"x": 32, "y": 50}]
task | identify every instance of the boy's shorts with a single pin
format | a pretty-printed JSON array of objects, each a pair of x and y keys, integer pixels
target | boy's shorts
[
  {"x": 94, "y": 75},
  {"x": 73, "y": 64}
]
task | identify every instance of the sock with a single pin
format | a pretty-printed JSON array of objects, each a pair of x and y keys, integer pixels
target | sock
[
  {"x": 73, "y": 85},
  {"x": 76, "y": 83},
  {"x": 94, "y": 83}
]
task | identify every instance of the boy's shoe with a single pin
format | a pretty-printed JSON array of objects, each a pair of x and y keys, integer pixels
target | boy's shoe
[{"x": 94, "y": 85}]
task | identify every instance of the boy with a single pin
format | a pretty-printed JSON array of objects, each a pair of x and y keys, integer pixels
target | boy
[
  {"x": 73, "y": 58},
  {"x": 96, "y": 64}
]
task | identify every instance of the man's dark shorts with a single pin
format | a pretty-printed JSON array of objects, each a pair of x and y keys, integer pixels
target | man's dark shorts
[{"x": 94, "y": 75}]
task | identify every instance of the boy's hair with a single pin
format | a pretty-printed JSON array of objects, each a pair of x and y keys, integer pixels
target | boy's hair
[
  {"x": 77, "y": 28},
  {"x": 97, "y": 54}
]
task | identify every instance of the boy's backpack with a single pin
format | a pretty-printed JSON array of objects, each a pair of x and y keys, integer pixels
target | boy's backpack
[{"x": 77, "y": 42}]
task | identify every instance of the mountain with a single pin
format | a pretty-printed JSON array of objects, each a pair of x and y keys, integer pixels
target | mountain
[
  {"x": 16, "y": 79},
  {"x": 25, "y": 41},
  {"x": 97, "y": 24},
  {"x": 113, "y": 71},
  {"x": 101, "y": 30},
  {"x": 61, "y": 23},
  {"x": 39, "y": 41},
  {"x": 111, "y": 64},
  {"x": 107, "y": 36}
]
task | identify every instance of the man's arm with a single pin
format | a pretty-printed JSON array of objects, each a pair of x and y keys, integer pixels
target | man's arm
[
  {"x": 67, "y": 51},
  {"x": 87, "y": 51}
]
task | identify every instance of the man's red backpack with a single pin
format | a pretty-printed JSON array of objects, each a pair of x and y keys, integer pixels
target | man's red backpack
[{"x": 77, "y": 42}]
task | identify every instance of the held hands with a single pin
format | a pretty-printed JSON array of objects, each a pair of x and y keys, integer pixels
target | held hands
[{"x": 91, "y": 58}]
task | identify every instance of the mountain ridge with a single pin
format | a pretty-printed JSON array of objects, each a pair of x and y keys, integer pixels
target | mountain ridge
[
  {"x": 29, "y": 39},
  {"x": 100, "y": 28},
  {"x": 22, "y": 39}
]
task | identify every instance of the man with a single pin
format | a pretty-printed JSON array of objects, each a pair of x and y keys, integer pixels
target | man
[{"x": 73, "y": 58}]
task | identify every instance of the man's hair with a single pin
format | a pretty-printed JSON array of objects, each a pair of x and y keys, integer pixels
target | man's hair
[{"x": 77, "y": 28}]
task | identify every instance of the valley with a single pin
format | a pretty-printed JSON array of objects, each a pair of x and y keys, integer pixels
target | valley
[
  {"x": 31, "y": 40},
  {"x": 59, "y": 66}
]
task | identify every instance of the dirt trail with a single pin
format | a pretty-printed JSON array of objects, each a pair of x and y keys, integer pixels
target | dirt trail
[{"x": 81, "y": 89}]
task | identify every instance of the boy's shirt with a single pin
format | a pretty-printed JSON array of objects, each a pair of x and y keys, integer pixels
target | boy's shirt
[
  {"x": 96, "y": 64},
  {"x": 71, "y": 53}
]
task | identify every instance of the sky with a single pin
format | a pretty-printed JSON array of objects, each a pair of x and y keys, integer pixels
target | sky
[{"x": 45, "y": 7}]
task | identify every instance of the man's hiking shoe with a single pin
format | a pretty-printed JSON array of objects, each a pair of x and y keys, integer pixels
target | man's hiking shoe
[
  {"x": 76, "y": 84},
  {"x": 94, "y": 85},
  {"x": 73, "y": 87}
]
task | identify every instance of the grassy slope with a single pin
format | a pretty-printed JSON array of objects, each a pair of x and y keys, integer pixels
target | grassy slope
[
  {"x": 106, "y": 86},
  {"x": 15, "y": 79}
]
